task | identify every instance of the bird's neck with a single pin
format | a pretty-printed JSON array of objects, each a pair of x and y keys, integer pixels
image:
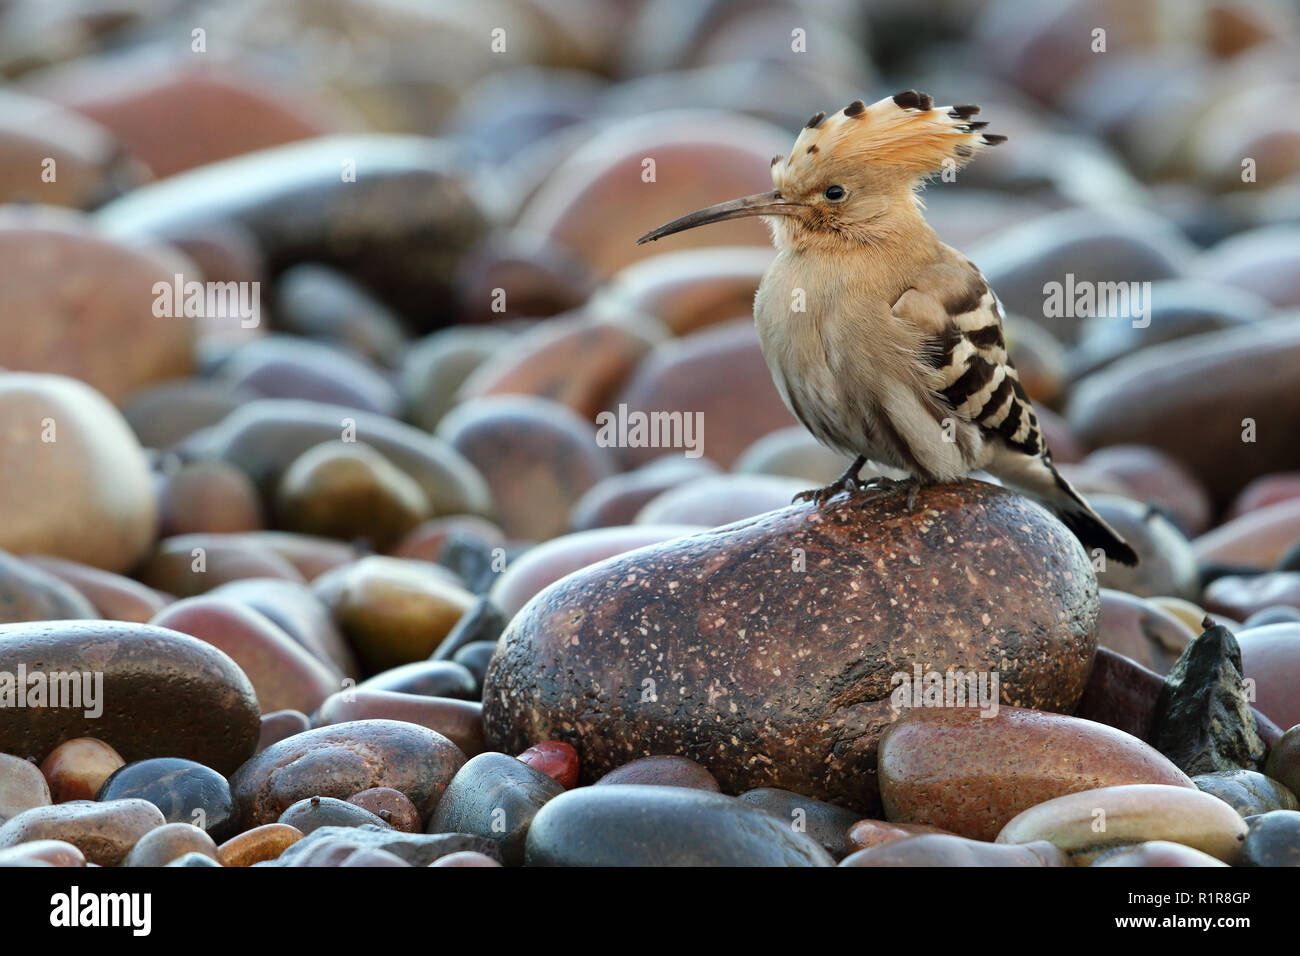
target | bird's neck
[{"x": 897, "y": 232}]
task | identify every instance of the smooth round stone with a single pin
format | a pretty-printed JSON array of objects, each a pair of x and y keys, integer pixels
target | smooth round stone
[
  {"x": 944, "y": 849},
  {"x": 392, "y": 611},
  {"x": 616, "y": 500},
  {"x": 284, "y": 674},
  {"x": 163, "y": 693},
  {"x": 104, "y": 832},
  {"x": 476, "y": 657},
  {"x": 1264, "y": 491},
  {"x": 619, "y": 639},
  {"x": 298, "y": 207},
  {"x": 1283, "y": 763},
  {"x": 77, "y": 768},
  {"x": 1153, "y": 477},
  {"x": 1260, "y": 260},
  {"x": 537, "y": 456},
  {"x": 460, "y": 721},
  {"x": 342, "y": 759},
  {"x": 495, "y": 796},
  {"x": 1167, "y": 564},
  {"x": 332, "y": 846},
  {"x": 264, "y": 437},
  {"x": 349, "y": 491},
  {"x": 29, "y": 593},
  {"x": 1121, "y": 693},
  {"x": 166, "y": 414},
  {"x": 865, "y": 834},
  {"x": 721, "y": 499},
  {"x": 91, "y": 165},
  {"x": 22, "y": 786},
  {"x": 208, "y": 496},
  {"x": 547, "y": 563},
  {"x": 1247, "y": 791},
  {"x": 1270, "y": 656},
  {"x": 430, "y": 540},
  {"x": 324, "y": 304},
  {"x": 49, "y": 852},
  {"x": 316, "y": 812},
  {"x": 699, "y": 155},
  {"x": 185, "y": 792},
  {"x": 1272, "y": 615},
  {"x": 556, "y": 759},
  {"x": 465, "y": 858},
  {"x": 639, "y": 825},
  {"x": 481, "y": 624},
  {"x": 170, "y": 842},
  {"x": 1093, "y": 246},
  {"x": 434, "y": 369},
  {"x": 297, "y": 610},
  {"x": 540, "y": 278},
  {"x": 194, "y": 859},
  {"x": 692, "y": 288},
  {"x": 663, "y": 771},
  {"x": 258, "y": 844},
  {"x": 114, "y": 596},
  {"x": 681, "y": 376},
  {"x": 1157, "y": 853},
  {"x": 426, "y": 678},
  {"x": 391, "y": 806},
  {"x": 87, "y": 495},
  {"x": 281, "y": 725},
  {"x": 292, "y": 367},
  {"x": 189, "y": 564},
  {"x": 793, "y": 453},
  {"x": 1134, "y": 813},
  {"x": 310, "y": 555},
  {"x": 579, "y": 360},
  {"x": 1273, "y": 840},
  {"x": 1239, "y": 596},
  {"x": 1257, "y": 539},
  {"x": 1159, "y": 398},
  {"x": 824, "y": 822},
  {"x": 100, "y": 330},
  {"x": 1142, "y": 631},
  {"x": 1191, "y": 615},
  {"x": 1024, "y": 757}
]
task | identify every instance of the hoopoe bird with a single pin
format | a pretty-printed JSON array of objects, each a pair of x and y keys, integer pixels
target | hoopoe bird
[{"x": 897, "y": 355}]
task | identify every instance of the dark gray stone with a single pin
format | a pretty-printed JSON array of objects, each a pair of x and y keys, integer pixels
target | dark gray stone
[{"x": 495, "y": 796}]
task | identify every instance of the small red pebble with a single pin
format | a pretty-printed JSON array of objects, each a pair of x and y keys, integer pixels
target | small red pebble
[{"x": 556, "y": 759}]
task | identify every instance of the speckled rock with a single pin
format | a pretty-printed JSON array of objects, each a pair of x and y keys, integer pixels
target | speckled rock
[
  {"x": 639, "y": 825},
  {"x": 610, "y": 658},
  {"x": 339, "y": 760},
  {"x": 104, "y": 832},
  {"x": 1247, "y": 791},
  {"x": 163, "y": 693},
  {"x": 85, "y": 495},
  {"x": 943, "y": 849},
  {"x": 954, "y": 768},
  {"x": 495, "y": 796},
  {"x": 1131, "y": 814}
]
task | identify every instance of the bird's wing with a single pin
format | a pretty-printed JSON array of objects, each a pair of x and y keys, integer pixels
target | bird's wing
[{"x": 961, "y": 319}]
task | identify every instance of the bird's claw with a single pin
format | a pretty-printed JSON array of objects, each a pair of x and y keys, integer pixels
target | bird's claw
[
  {"x": 881, "y": 486},
  {"x": 819, "y": 496}
]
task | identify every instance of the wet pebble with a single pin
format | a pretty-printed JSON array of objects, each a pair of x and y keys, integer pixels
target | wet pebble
[
  {"x": 185, "y": 792},
  {"x": 77, "y": 768},
  {"x": 22, "y": 786},
  {"x": 825, "y": 822},
  {"x": 258, "y": 844},
  {"x": 280, "y": 725},
  {"x": 1247, "y": 791},
  {"x": 316, "y": 812},
  {"x": 1273, "y": 840},
  {"x": 426, "y": 678},
  {"x": 943, "y": 849},
  {"x": 391, "y": 806},
  {"x": 460, "y": 721},
  {"x": 663, "y": 771},
  {"x": 170, "y": 842},
  {"x": 556, "y": 759},
  {"x": 495, "y": 796}
]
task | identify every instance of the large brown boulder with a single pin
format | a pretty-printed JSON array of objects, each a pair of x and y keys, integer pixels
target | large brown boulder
[{"x": 766, "y": 649}]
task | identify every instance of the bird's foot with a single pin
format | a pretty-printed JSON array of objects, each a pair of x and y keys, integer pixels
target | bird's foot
[
  {"x": 880, "y": 487},
  {"x": 819, "y": 496}
]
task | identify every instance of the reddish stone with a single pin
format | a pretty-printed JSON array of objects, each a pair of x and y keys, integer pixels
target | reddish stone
[{"x": 556, "y": 759}]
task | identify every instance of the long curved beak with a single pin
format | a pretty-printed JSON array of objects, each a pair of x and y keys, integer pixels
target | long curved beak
[{"x": 759, "y": 204}]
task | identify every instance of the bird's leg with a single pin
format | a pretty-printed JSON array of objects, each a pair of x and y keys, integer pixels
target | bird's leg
[
  {"x": 880, "y": 486},
  {"x": 847, "y": 481}
]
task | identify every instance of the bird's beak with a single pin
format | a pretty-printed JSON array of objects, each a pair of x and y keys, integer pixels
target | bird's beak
[{"x": 759, "y": 204}]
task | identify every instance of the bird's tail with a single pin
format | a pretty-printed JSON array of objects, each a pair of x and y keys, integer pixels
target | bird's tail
[{"x": 1077, "y": 515}]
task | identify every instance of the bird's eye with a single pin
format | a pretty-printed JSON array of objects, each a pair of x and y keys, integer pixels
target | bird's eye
[{"x": 834, "y": 193}]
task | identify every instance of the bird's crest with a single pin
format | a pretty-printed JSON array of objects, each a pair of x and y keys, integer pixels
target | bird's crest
[{"x": 905, "y": 132}]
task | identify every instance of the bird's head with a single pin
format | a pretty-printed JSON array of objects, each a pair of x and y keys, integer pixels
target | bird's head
[{"x": 851, "y": 174}]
